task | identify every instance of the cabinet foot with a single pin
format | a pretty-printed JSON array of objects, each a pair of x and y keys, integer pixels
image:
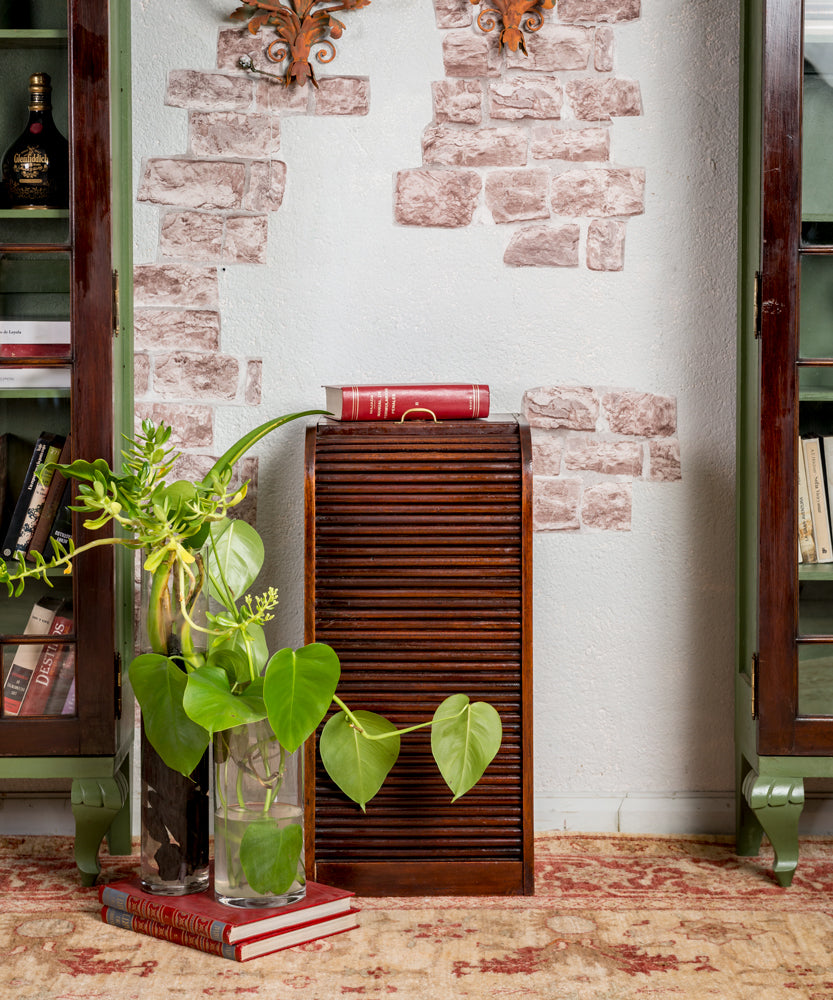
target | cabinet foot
[
  {"x": 96, "y": 805},
  {"x": 776, "y": 804}
]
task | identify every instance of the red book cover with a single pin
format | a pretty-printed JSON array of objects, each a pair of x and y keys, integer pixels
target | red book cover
[
  {"x": 49, "y": 665},
  {"x": 199, "y": 913},
  {"x": 263, "y": 944},
  {"x": 407, "y": 402}
]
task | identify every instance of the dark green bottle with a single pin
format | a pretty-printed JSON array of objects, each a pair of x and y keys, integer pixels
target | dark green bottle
[{"x": 36, "y": 165}]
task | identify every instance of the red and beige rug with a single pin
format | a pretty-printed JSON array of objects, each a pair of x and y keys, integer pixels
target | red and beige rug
[{"x": 613, "y": 917}]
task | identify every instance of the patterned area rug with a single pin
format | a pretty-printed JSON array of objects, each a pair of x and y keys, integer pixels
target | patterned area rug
[{"x": 613, "y": 917}]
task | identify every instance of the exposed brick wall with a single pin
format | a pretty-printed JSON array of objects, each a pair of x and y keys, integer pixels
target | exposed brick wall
[
  {"x": 525, "y": 141},
  {"x": 214, "y": 200},
  {"x": 589, "y": 445}
]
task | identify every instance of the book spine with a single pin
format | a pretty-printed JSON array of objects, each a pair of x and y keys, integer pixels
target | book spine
[
  {"x": 46, "y": 673},
  {"x": 165, "y": 932},
  {"x": 405, "y": 402},
  {"x": 805, "y": 520},
  {"x": 63, "y": 682},
  {"x": 16, "y": 682},
  {"x": 22, "y": 504},
  {"x": 163, "y": 913},
  {"x": 51, "y": 506},
  {"x": 69, "y": 704},
  {"x": 38, "y": 499},
  {"x": 818, "y": 499}
]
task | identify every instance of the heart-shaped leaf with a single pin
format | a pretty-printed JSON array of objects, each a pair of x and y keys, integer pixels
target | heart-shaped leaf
[
  {"x": 254, "y": 645},
  {"x": 270, "y": 854},
  {"x": 356, "y": 764},
  {"x": 298, "y": 689},
  {"x": 159, "y": 686},
  {"x": 209, "y": 701},
  {"x": 233, "y": 557},
  {"x": 464, "y": 740}
]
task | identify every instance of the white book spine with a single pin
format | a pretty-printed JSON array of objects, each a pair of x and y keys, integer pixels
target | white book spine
[{"x": 818, "y": 499}]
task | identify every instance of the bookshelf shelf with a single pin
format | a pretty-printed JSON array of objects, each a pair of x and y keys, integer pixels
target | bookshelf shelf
[{"x": 65, "y": 382}]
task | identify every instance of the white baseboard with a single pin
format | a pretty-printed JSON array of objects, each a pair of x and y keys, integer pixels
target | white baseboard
[{"x": 634, "y": 812}]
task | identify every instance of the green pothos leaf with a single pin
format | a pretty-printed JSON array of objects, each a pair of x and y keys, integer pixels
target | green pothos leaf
[
  {"x": 358, "y": 765},
  {"x": 464, "y": 740},
  {"x": 270, "y": 855}
]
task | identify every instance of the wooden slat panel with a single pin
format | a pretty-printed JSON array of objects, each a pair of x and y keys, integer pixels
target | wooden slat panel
[{"x": 419, "y": 575}]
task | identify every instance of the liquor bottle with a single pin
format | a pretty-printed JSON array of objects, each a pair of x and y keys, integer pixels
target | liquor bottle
[{"x": 36, "y": 165}]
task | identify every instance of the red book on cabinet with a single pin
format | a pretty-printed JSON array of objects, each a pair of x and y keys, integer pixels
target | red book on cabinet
[{"x": 407, "y": 402}]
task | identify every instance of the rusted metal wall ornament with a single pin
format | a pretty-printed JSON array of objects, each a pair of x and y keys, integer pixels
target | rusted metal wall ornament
[
  {"x": 515, "y": 16},
  {"x": 300, "y": 25}
]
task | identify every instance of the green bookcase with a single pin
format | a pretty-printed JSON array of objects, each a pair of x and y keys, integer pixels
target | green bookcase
[
  {"x": 784, "y": 682},
  {"x": 71, "y": 270}
]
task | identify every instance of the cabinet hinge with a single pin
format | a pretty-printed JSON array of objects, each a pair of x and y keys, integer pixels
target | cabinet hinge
[
  {"x": 116, "y": 307},
  {"x": 753, "y": 687},
  {"x": 117, "y": 686},
  {"x": 757, "y": 306}
]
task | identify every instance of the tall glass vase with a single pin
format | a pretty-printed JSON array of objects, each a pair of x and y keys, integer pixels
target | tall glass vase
[
  {"x": 258, "y": 819},
  {"x": 175, "y": 810}
]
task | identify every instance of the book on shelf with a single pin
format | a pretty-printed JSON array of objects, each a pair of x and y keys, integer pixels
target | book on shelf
[
  {"x": 242, "y": 951},
  {"x": 817, "y": 490},
  {"x": 56, "y": 663},
  {"x": 15, "y": 379},
  {"x": 200, "y": 914},
  {"x": 25, "y": 661},
  {"x": 68, "y": 707},
  {"x": 407, "y": 402},
  {"x": 55, "y": 497},
  {"x": 34, "y": 338},
  {"x": 45, "y": 441},
  {"x": 38, "y": 498},
  {"x": 806, "y": 541}
]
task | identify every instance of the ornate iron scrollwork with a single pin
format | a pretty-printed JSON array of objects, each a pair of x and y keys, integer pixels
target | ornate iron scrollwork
[
  {"x": 515, "y": 17},
  {"x": 299, "y": 25}
]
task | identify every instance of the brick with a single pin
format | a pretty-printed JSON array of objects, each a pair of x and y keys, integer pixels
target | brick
[
  {"x": 198, "y": 376},
  {"x": 599, "y": 100},
  {"x": 202, "y": 184},
  {"x": 191, "y": 426},
  {"x": 606, "y": 245},
  {"x": 467, "y": 54},
  {"x": 664, "y": 459},
  {"x": 640, "y": 413},
  {"x": 453, "y": 13},
  {"x": 459, "y": 101},
  {"x": 611, "y": 458},
  {"x": 483, "y": 147},
  {"x": 602, "y": 191},
  {"x": 554, "y": 48},
  {"x": 141, "y": 374},
  {"x": 224, "y": 133},
  {"x": 254, "y": 383},
  {"x": 573, "y": 407},
  {"x": 573, "y": 144},
  {"x": 192, "y": 235},
  {"x": 603, "y": 49},
  {"x": 555, "y": 504},
  {"x": 544, "y": 246},
  {"x": 175, "y": 285},
  {"x": 342, "y": 95},
  {"x": 190, "y": 88},
  {"x": 607, "y": 506},
  {"x": 235, "y": 42},
  {"x": 172, "y": 329},
  {"x": 274, "y": 96},
  {"x": 445, "y": 198},
  {"x": 245, "y": 239},
  {"x": 608, "y": 11},
  {"x": 514, "y": 195},
  {"x": 518, "y": 97},
  {"x": 547, "y": 449},
  {"x": 266, "y": 186}
]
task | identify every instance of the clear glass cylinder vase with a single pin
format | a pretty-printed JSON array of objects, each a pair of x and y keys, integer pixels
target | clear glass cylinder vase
[
  {"x": 258, "y": 818},
  {"x": 175, "y": 810}
]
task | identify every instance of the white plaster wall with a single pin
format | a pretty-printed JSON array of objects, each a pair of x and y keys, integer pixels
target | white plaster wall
[{"x": 633, "y": 630}]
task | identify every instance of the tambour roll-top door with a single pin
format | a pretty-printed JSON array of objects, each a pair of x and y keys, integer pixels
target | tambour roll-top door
[{"x": 419, "y": 576}]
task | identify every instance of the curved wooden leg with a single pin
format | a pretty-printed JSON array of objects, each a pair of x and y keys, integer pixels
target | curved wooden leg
[
  {"x": 95, "y": 804},
  {"x": 777, "y": 805},
  {"x": 748, "y": 830},
  {"x": 120, "y": 834}
]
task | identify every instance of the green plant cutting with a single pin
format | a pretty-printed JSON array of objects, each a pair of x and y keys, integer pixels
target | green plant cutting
[{"x": 202, "y": 677}]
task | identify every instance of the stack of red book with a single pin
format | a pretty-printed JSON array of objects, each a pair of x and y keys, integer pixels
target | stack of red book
[{"x": 199, "y": 921}]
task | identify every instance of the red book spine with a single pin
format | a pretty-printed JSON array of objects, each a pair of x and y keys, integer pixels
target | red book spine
[
  {"x": 412, "y": 402},
  {"x": 132, "y": 922},
  {"x": 43, "y": 679}
]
